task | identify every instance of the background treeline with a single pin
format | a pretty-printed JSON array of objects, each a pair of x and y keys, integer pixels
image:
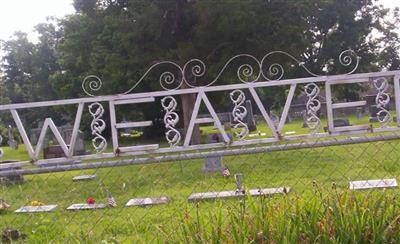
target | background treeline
[{"x": 119, "y": 39}]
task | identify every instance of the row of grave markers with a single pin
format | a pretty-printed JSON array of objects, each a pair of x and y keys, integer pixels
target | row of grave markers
[{"x": 239, "y": 192}]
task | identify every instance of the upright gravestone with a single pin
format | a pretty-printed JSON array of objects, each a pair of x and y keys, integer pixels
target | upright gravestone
[
  {"x": 304, "y": 117},
  {"x": 55, "y": 151},
  {"x": 341, "y": 122},
  {"x": 274, "y": 118},
  {"x": 249, "y": 119},
  {"x": 79, "y": 148},
  {"x": 359, "y": 113},
  {"x": 213, "y": 164},
  {"x": 11, "y": 179}
]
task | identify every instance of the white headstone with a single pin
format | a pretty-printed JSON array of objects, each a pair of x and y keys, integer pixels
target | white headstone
[
  {"x": 85, "y": 206},
  {"x": 84, "y": 177},
  {"x": 36, "y": 209},
  {"x": 147, "y": 201},
  {"x": 215, "y": 195},
  {"x": 269, "y": 191},
  {"x": 370, "y": 184},
  {"x": 232, "y": 194}
]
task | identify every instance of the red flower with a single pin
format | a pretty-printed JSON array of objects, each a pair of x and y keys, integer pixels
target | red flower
[{"x": 90, "y": 200}]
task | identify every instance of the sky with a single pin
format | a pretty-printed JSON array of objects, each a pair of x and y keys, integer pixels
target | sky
[{"x": 23, "y": 15}]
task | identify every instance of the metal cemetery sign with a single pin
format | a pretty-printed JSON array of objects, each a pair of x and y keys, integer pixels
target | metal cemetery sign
[{"x": 178, "y": 80}]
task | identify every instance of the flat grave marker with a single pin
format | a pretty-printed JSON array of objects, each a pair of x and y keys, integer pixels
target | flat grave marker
[
  {"x": 143, "y": 202},
  {"x": 84, "y": 177},
  {"x": 269, "y": 191},
  {"x": 290, "y": 132},
  {"x": 36, "y": 209},
  {"x": 237, "y": 194},
  {"x": 214, "y": 195},
  {"x": 371, "y": 184},
  {"x": 257, "y": 134},
  {"x": 86, "y": 206}
]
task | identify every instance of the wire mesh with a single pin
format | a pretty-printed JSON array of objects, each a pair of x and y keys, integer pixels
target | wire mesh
[{"x": 303, "y": 172}]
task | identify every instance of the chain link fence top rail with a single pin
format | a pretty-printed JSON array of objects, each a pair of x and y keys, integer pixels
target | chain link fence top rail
[{"x": 248, "y": 181}]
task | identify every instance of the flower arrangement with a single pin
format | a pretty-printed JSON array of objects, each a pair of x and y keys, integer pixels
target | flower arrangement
[
  {"x": 36, "y": 203},
  {"x": 3, "y": 206},
  {"x": 90, "y": 200}
]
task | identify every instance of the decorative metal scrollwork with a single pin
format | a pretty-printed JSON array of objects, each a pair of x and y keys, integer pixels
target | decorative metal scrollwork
[
  {"x": 251, "y": 70},
  {"x": 345, "y": 59},
  {"x": 171, "y": 119},
  {"x": 90, "y": 84},
  {"x": 312, "y": 107},
  {"x": 382, "y": 99},
  {"x": 239, "y": 114},
  {"x": 97, "y": 126}
]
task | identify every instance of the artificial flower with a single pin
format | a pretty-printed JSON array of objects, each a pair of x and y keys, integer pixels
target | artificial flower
[
  {"x": 90, "y": 200},
  {"x": 36, "y": 203}
]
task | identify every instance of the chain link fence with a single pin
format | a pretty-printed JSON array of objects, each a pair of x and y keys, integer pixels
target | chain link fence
[{"x": 301, "y": 168}]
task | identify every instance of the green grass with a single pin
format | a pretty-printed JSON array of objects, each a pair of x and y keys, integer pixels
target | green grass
[
  {"x": 177, "y": 180},
  {"x": 337, "y": 217}
]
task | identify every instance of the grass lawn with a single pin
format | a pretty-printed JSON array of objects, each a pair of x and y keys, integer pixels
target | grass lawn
[{"x": 297, "y": 169}]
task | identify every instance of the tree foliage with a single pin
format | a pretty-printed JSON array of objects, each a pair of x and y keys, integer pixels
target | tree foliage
[{"x": 119, "y": 39}]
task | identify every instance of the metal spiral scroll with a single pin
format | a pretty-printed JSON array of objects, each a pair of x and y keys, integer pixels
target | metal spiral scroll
[
  {"x": 239, "y": 113},
  {"x": 174, "y": 76},
  {"x": 312, "y": 107},
  {"x": 382, "y": 99},
  {"x": 91, "y": 84},
  {"x": 97, "y": 126},
  {"x": 171, "y": 119}
]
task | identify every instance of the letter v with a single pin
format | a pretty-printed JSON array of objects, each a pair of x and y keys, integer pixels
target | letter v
[{"x": 276, "y": 130}]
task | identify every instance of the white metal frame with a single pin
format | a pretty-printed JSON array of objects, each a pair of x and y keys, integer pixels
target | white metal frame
[{"x": 250, "y": 81}]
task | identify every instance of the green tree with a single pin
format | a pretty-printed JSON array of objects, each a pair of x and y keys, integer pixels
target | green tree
[{"x": 119, "y": 39}]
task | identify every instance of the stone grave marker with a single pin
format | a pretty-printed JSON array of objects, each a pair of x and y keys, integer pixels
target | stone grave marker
[
  {"x": 290, "y": 132},
  {"x": 11, "y": 179},
  {"x": 304, "y": 117},
  {"x": 227, "y": 126},
  {"x": 143, "y": 202},
  {"x": 79, "y": 148},
  {"x": 371, "y": 184},
  {"x": 359, "y": 113},
  {"x": 213, "y": 164},
  {"x": 237, "y": 194},
  {"x": 259, "y": 133},
  {"x": 86, "y": 206},
  {"x": 11, "y": 140},
  {"x": 341, "y": 122},
  {"x": 249, "y": 119},
  {"x": 53, "y": 152},
  {"x": 274, "y": 118},
  {"x": 214, "y": 195},
  {"x": 84, "y": 177},
  {"x": 269, "y": 191},
  {"x": 36, "y": 209}
]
